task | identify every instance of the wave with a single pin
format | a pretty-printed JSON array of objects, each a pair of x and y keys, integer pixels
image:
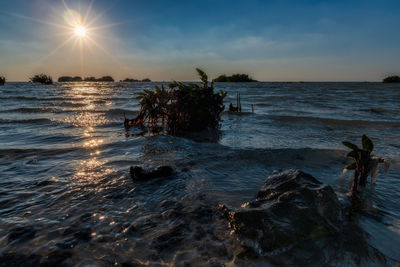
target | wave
[
  {"x": 291, "y": 156},
  {"x": 119, "y": 111},
  {"x": 333, "y": 122},
  {"x": 19, "y": 98},
  {"x": 380, "y": 111},
  {"x": 30, "y": 110},
  {"x": 19, "y": 154},
  {"x": 27, "y": 121},
  {"x": 55, "y": 110},
  {"x": 60, "y": 98}
]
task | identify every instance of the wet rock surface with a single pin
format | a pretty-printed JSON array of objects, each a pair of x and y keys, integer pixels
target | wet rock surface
[
  {"x": 297, "y": 220},
  {"x": 139, "y": 174}
]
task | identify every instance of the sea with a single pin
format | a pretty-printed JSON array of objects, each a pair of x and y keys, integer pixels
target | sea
[{"x": 66, "y": 196}]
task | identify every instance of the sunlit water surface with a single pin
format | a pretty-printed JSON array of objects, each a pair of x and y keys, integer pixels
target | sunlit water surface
[{"x": 64, "y": 161}]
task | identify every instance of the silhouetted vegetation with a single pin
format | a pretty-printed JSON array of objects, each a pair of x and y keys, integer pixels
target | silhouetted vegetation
[
  {"x": 129, "y": 80},
  {"x": 69, "y": 79},
  {"x": 105, "y": 79},
  {"x": 102, "y": 79},
  {"x": 235, "y": 78},
  {"x": 90, "y": 79},
  {"x": 181, "y": 108},
  {"x": 2, "y": 80},
  {"x": 365, "y": 164},
  {"x": 42, "y": 78},
  {"x": 392, "y": 79}
]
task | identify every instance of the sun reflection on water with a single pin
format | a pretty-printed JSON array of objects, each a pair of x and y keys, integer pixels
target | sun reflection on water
[
  {"x": 91, "y": 170},
  {"x": 86, "y": 119}
]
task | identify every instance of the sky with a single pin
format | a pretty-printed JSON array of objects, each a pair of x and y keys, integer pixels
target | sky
[{"x": 281, "y": 40}]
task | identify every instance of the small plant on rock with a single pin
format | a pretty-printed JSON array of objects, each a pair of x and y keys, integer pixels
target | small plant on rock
[{"x": 365, "y": 164}]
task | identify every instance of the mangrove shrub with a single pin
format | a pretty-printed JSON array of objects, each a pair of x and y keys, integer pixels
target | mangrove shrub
[
  {"x": 42, "y": 78},
  {"x": 180, "y": 108},
  {"x": 392, "y": 79}
]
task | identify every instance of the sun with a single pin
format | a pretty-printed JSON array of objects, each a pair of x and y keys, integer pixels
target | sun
[{"x": 80, "y": 31}]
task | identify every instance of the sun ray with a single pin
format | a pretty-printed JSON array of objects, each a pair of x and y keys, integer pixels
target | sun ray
[
  {"x": 61, "y": 45},
  {"x": 109, "y": 25},
  {"x": 97, "y": 17},
  {"x": 98, "y": 45},
  {"x": 89, "y": 9},
  {"x": 65, "y": 5},
  {"x": 57, "y": 48},
  {"x": 112, "y": 57},
  {"x": 81, "y": 55},
  {"x": 41, "y": 21},
  {"x": 101, "y": 48}
]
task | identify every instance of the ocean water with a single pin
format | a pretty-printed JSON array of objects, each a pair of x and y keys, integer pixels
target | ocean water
[{"x": 66, "y": 194}]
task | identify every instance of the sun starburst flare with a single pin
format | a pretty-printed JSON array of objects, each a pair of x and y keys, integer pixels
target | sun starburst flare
[{"x": 81, "y": 29}]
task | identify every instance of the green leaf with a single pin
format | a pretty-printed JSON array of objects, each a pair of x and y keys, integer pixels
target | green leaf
[
  {"x": 352, "y": 166},
  {"x": 352, "y": 154},
  {"x": 367, "y": 143},
  {"x": 350, "y": 145},
  {"x": 202, "y": 74}
]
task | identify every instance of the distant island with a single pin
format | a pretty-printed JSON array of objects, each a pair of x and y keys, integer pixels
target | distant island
[
  {"x": 87, "y": 79},
  {"x": 235, "y": 78},
  {"x": 102, "y": 79},
  {"x": 69, "y": 79},
  {"x": 130, "y": 80},
  {"x": 41, "y": 78},
  {"x": 392, "y": 79}
]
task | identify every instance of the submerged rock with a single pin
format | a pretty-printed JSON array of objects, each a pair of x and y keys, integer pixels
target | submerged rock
[
  {"x": 297, "y": 220},
  {"x": 139, "y": 174}
]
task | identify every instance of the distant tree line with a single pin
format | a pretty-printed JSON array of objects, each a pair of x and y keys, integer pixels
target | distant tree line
[
  {"x": 86, "y": 79},
  {"x": 130, "y": 80},
  {"x": 69, "y": 79},
  {"x": 392, "y": 79},
  {"x": 235, "y": 78}
]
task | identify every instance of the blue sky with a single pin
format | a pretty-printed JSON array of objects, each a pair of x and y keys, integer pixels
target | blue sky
[{"x": 281, "y": 40}]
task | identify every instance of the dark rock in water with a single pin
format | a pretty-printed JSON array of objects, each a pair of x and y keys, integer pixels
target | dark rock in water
[
  {"x": 139, "y": 174},
  {"x": 297, "y": 220}
]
